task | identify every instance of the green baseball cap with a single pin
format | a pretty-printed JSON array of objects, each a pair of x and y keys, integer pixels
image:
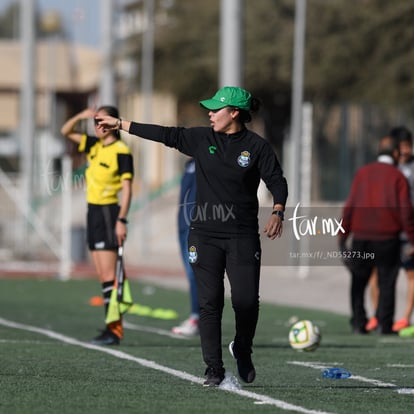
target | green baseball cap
[{"x": 228, "y": 96}]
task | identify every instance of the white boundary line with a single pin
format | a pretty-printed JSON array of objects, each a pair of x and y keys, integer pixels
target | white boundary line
[
  {"x": 142, "y": 328},
  {"x": 400, "y": 365},
  {"x": 258, "y": 398},
  {"x": 324, "y": 365}
]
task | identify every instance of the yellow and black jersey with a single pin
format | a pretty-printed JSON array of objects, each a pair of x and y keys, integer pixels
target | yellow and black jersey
[{"x": 107, "y": 166}]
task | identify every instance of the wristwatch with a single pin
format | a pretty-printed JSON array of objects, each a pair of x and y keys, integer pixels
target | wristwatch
[
  {"x": 279, "y": 213},
  {"x": 122, "y": 220}
]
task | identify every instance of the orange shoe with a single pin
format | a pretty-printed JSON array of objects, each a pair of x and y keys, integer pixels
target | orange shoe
[
  {"x": 401, "y": 324},
  {"x": 372, "y": 324},
  {"x": 116, "y": 328}
]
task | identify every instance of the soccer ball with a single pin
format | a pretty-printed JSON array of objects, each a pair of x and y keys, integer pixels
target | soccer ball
[{"x": 304, "y": 336}]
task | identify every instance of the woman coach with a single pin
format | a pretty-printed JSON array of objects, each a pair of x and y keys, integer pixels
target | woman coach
[{"x": 230, "y": 161}]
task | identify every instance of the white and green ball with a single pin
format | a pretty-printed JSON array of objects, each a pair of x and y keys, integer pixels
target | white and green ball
[{"x": 304, "y": 336}]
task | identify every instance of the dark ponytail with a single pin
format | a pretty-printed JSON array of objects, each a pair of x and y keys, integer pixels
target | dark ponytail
[
  {"x": 255, "y": 105},
  {"x": 246, "y": 116}
]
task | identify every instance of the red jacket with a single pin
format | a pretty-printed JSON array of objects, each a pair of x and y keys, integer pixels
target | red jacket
[{"x": 378, "y": 206}]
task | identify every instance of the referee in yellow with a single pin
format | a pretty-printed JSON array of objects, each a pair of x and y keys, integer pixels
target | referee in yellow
[{"x": 109, "y": 172}]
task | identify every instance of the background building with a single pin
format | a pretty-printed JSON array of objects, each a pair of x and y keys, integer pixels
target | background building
[{"x": 155, "y": 59}]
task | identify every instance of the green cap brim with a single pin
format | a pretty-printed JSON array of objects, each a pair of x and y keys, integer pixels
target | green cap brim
[{"x": 212, "y": 104}]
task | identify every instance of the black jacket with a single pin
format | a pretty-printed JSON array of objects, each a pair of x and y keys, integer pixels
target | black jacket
[{"x": 228, "y": 173}]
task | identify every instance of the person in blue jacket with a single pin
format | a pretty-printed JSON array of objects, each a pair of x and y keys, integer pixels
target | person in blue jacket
[{"x": 186, "y": 206}]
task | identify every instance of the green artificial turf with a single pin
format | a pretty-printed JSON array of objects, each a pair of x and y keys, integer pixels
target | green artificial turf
[{"x": 152, "y": 372}]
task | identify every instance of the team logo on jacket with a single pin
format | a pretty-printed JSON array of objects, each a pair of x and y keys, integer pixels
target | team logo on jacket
[
  {"x": 192, "y": 254},
  {"x": 212, "y": 149},
  {"x": 244, "y": 159}
]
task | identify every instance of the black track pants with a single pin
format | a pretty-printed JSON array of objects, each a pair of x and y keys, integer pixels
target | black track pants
[
  {"x": 240, "y": 258},
  {"x": 385, "y": 255}
]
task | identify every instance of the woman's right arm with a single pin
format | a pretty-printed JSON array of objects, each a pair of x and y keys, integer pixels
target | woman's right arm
[
  {"x": 152, "y": 132},
  {"x": 183, "y": 139},
  {"x": 148, "y": 131},
  {"x": 68, "y": 128}
]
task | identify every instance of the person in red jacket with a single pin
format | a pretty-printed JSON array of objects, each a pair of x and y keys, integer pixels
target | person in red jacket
[{"x": 376, "y": 211}]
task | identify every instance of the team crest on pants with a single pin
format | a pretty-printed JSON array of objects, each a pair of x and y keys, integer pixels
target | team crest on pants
[
  {"x": 244, "y": 159},
  {"x": 192, "y": 254}
]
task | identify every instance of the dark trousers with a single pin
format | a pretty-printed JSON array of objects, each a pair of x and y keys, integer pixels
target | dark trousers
[
  {"x": 385, "y": 256},
  {"x": 183, "y": 239},
  {"x": 240, "y": 258}
]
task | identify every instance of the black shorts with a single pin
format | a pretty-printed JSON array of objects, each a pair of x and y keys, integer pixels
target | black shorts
[{"x": 101, "y": 220}]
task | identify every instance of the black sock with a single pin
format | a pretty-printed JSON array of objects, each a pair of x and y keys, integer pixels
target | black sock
[{"x": 106, "y": 293}]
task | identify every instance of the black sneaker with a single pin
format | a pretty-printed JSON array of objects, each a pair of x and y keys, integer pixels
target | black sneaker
[
  {"x": 214, "y": 376},
  {"x": 106, "y": 338},
  {"x": 244, "y": 365}
]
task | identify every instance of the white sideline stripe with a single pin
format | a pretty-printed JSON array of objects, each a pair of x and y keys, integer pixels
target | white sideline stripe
[
  {"x": 264, "y": 399},
  {"x": 352, "y": 377},
  {"x": 406, "y": 391},
  {"x": 135, "y": 327},
  {"x": 18, "y": 341}
]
